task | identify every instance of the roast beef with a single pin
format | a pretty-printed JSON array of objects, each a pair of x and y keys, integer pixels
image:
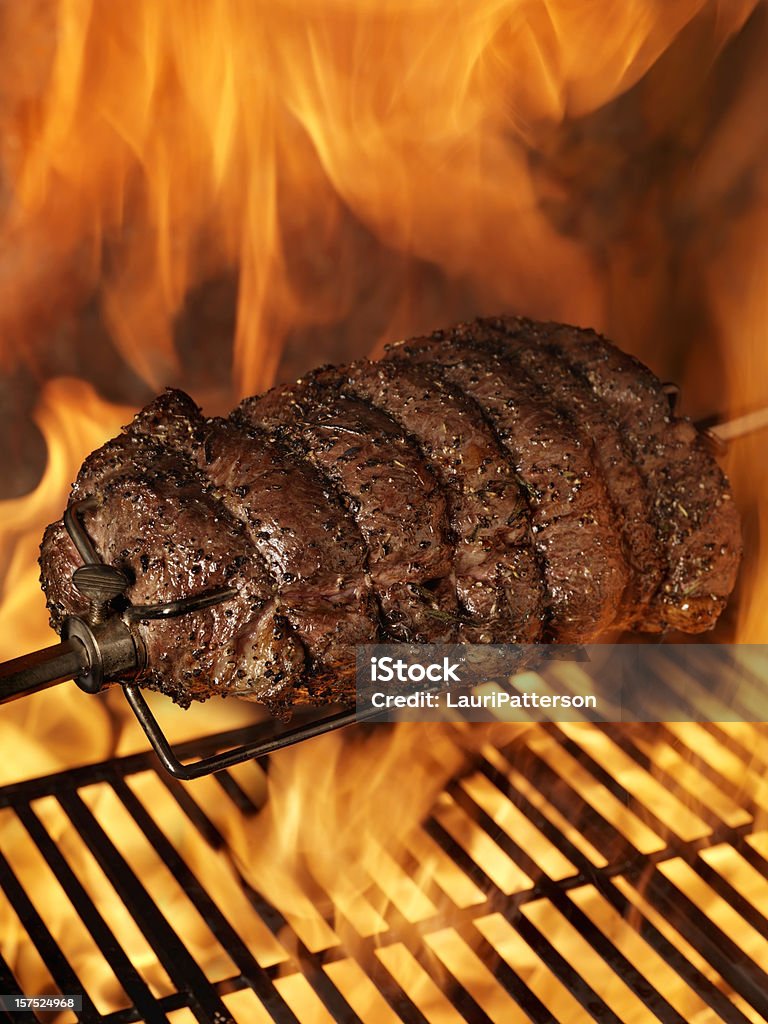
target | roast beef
[{"x": 503, "y": 481}]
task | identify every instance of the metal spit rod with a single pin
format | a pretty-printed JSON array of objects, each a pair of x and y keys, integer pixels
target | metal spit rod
[
  {"x": 736, "y": 427},
  {"x": 37, "y": 671}
]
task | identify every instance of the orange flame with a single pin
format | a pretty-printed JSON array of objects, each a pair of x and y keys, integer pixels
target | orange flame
[
  {"x": 45, "y": 734},
  {"x": 158, "y": 144},
  {"x": 369, "y": 171}
]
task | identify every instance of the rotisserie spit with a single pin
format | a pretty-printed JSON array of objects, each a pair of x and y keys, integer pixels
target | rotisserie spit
[{"x": 501, "y": 482}]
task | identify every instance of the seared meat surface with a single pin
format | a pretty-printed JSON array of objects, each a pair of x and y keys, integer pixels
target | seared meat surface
[
  {"x": 389, "y": 490},
  {"x": 498, "y": 583},
  {"x": 570, "y": 512},
  {"x": 501, "y": 482},
  {"x": 696, "y": 523}
]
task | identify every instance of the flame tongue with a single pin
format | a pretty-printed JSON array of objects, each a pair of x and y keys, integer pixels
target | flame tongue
[{"x": 147, "y": 150}]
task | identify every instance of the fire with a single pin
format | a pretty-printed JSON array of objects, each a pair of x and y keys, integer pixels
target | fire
[
  {"x": 45, "y": 734},
  {"x": 377, "y": 789},
  {"x": 741, "y": 308},
  {"x": 364, "y": 171},
  {"x": 150, "y": 149}
]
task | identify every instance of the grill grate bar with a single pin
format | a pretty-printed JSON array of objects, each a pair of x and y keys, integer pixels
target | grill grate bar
[
  {"x": 513, "y": 984},
  {"x": 565, "y": 971},
  {"x": 750, "y": 854},
  {"x": 399, "y": 1001},
  {"x": 462, "y": 859},
  {"x": 460, "y": 998},
  {"x": 502, "y": 840},
  {"x": 257, "y": 977},
  {"x": 59, "y": 967},
  {"x": 411, "y": 934},
  {"x": 168, "y": 1004},
  {"x": 332, "y": 999},
  {"x": 677, "y": 960},
  {"x": 594, "y": 826},
  {"x": 131, "y": 981},
  {"x": 630, "y": 856},
  {"x": 314, "y": 963},
  {"x": 743, "y": 975},
  {"x": 625, "y": 742},
  {"x": 615, "y": 959},
  {"x": 585, "y": 870},
  {"x": 747, "y": 755},
  {"x": 555, "y": 892},
  {"x": 131, "y": 764},
  {"x": 723, "y": 888},
  {"x": 9, "y": 986},
  {"x": 519, "y": 774},
  {"x": 236, "y": 793},
  {"x": 398, "y": 998},
  {"x": 640, "y": 984},
  {"x": 584, "y": 867},
  {"x": 734, "y": 787},
  {"x": 180, "y": 966},
  {"x": 519, "y": 992},
  {"x": 194, "y": 812},
  {"x": 642, "y": 811}
]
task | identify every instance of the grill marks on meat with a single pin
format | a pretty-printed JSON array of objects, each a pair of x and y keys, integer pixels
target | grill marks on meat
[
  {"x": 500, "y": 482},
  {"x": 389, "y": 489}
]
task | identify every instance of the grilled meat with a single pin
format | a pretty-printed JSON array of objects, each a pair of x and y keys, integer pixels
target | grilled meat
[
  {"x": 699, "y": 540},
  {"x": 389, "y": 490},
  {"x": 501, "y": 482},
  {"x": 498, "y": 583},
  {"x": 570, "y": 511}
]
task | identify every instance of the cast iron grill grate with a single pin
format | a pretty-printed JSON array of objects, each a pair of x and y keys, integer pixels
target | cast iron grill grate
[{"x": 581, "y": 873}]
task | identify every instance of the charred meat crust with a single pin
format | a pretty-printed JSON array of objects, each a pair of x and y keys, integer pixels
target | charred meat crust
[
  {"x": 696, "y": 521},
  {"x": 311, "y": 546},
  {"x": 502, "y": 481},
  {"x": 498, "y": 580},
  {"x": 628, "y": 491},
  {"x": 310, "y": 543},
  {"x": 387, "y": 487},
  {"x": 570, "y": 509},
  {"x": 154, "y": 522}
]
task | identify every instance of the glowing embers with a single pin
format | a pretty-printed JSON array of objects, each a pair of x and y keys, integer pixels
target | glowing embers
[{"x": 514, "y": 897}]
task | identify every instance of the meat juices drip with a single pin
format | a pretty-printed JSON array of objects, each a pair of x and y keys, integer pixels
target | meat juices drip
[{"x": 501, "y": 482}]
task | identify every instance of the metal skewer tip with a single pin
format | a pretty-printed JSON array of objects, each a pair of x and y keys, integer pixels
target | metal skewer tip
[{"x": 736, "y": 427}]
